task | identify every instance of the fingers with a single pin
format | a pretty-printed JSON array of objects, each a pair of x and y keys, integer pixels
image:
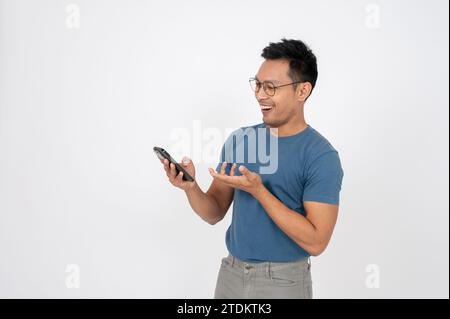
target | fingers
[
  {"x": 166, "y": 165},
  {"x": 179, "y": 178},
  {"x": 233, "y": 167},
  {"x": 222, "y": 172},
  {"x": 186, "y": 161},
  {"x": 244, "y": 170},
  {"x": 223, "y": 167},
  {"x": 231, "y": 181},
  {"x": 175, "y": 178},
  {"x": 173, "y": 172},
  {"x": 170, "y": 170},
  {"x": 247, "y": 181}
]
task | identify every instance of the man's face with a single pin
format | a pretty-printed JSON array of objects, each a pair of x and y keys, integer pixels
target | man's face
[{"x": 284, "y": 104}]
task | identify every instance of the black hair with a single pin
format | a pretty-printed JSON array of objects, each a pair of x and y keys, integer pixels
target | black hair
[{"x": 302, "y": 61}]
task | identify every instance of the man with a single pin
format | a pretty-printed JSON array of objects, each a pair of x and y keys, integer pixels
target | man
[{"x": 284, "y": 216}]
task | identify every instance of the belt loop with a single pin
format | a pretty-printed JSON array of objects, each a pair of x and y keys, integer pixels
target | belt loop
[
  {"x": 309, "y": 263},
  {"x": 232, "y": 261}
]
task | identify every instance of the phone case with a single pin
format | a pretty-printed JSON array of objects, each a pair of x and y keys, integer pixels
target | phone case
[{"x": 163, "y": 154}]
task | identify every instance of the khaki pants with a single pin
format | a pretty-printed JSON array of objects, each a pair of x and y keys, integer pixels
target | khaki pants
[{"x": 239, "y": 280}]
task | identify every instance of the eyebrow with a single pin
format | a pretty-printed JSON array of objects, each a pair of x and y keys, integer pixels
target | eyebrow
[{"x": 269, "y": 80}]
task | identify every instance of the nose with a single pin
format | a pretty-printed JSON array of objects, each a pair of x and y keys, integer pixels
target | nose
[{"x": 261, "y": 95}]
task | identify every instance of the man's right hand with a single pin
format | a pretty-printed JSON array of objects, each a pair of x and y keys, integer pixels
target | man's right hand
[{"x": 177, "y": 180}]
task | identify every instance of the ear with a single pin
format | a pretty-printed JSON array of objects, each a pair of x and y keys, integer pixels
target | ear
[{"x": 303, "y": 91}]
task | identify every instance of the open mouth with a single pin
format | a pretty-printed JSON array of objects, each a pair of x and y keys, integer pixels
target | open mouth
[{"x": 266, "y": 108}]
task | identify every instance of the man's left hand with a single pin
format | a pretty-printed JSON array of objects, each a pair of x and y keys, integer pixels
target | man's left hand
[{"x": 249, "y": 181}]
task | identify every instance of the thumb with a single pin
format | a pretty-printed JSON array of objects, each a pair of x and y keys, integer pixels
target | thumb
[{"x": 186, "y": 161}]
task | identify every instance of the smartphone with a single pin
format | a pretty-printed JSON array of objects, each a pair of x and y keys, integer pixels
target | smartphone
[{"x": 163, "y": 154}]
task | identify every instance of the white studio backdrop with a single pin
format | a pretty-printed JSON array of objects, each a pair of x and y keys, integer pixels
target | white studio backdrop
[{"x": 87, "y": 88}]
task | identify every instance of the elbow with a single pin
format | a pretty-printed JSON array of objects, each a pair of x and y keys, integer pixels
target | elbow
[
  {"x": 214, "y": 221},
  {"x": 219, "y": 216},
  {"x": 317, "y": 250}
]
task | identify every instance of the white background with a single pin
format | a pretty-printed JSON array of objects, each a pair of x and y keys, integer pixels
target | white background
[{"x": 81, "y": 109}]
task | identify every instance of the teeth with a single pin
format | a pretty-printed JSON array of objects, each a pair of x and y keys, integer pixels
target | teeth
[{"x": 265, "y": 107}]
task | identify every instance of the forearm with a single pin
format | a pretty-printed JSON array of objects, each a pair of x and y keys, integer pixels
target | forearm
[
  {"x": 293, "y": 224},
  {"x": 204, "y": 205}
]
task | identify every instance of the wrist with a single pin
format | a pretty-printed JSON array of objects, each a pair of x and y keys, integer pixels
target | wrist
[
  {"x": 191, "y": 187},
  {"x": 259, "y": 191}
]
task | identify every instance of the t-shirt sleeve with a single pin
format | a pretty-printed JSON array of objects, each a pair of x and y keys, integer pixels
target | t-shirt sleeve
[{"x": 324, "y": 179}]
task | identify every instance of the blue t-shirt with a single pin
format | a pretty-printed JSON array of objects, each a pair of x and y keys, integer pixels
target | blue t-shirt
[{"x": 296, "y": 168}]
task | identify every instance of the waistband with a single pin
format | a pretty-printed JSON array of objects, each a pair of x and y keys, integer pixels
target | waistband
[{"x": 236, "y": 262}]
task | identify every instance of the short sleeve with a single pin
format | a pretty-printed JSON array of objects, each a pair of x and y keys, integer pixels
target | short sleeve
[{"x": 323, "y": 179}]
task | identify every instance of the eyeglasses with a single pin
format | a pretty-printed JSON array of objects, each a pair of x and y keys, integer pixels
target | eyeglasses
[{"x": 268, "y": 87}]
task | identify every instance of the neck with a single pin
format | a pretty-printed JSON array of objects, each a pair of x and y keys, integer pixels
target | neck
[{"x": 294, "y": 126}]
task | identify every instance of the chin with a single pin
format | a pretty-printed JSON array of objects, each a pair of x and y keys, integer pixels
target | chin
[{"x": 271, "y": 123}]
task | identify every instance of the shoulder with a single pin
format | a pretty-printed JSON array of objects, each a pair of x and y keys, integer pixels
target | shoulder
[{"x": 319, "y": 149}]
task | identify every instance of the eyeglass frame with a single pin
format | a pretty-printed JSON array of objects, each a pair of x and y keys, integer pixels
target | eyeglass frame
[{"x": 274, "y": 87}]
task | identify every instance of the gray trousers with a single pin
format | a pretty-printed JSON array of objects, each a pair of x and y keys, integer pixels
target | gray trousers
[{"x": 239, "y": 280}]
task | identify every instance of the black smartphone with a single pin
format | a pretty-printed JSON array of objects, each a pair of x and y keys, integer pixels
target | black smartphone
[{"x": 163, "y": 154}]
